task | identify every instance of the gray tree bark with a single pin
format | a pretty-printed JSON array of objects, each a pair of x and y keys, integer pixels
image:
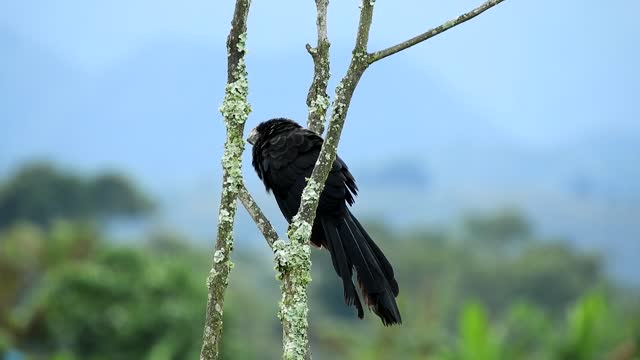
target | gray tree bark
[{"x": 235, "y": 109}]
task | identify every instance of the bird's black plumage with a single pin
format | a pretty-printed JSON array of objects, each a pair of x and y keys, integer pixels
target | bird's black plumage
[{"x": 284, "y": 155}]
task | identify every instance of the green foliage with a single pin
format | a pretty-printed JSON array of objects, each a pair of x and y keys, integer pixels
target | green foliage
[
  {"x": 4, "y": 343},
  {"x": 109, "y": 309},
  {"x": 123, "y": 304},
  {"x": 27, "y": 253},
  {"x": 40, "y": 193},
  {"x": 497, "y": 230},
  {"x": 585, "y": 329},
  {"x": 476, "y": 338},
  {"x": 68, "y": 295}
]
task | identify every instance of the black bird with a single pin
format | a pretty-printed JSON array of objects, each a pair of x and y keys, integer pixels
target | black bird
[{"x": 284, "y": 154}]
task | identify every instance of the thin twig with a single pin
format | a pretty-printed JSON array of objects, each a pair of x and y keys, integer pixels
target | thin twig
[
  {"x": 258, "y": 216},
  {"x": 379, "y": 55}
]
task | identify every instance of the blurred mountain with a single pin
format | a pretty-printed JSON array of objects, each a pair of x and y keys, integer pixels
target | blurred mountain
[
  {"x": 405, "y": 174},
  {"x": 424, "y": 155}
]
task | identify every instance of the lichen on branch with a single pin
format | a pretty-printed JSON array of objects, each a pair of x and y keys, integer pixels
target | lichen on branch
[
  {"x": 293, "y": 266},
  {"x": 295, "y": 278},
  {"x": 234, "y": 109},
  {"x": 292, "y": 258}
]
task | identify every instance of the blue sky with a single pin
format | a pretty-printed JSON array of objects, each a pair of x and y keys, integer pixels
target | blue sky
[
  {"x": 544, "y": 70},
  {"x": 514, "y": 107}
]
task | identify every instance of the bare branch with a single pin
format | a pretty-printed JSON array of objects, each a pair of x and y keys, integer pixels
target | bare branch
[
  {"x": 364, "y": 25},
  {"x": 378, "y": 55},
  {"x": 235, "y": 110},
  {"x": 317, "y": 99},
  {"x": 258, "y": 216}
]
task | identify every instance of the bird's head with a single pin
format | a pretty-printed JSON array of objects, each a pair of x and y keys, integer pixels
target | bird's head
[
  {"x": 269, "y": 128},
  {"x": 253, "y": 136}
]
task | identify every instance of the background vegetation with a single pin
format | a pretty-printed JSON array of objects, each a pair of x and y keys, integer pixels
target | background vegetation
[{"x": 489, "y": 288}]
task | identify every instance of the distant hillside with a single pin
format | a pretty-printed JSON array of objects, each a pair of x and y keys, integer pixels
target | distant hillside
[{"x": 423, "y": 155}]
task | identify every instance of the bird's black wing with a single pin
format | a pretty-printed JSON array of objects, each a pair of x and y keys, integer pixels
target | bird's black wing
[{"x": 288, "y": 160}]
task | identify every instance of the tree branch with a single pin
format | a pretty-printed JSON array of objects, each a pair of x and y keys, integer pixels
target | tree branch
[
  {"x": 379, "y": 55},
  {"x": 344, "y": 92},
  {"x": 293, "y": 260},
  {"x": 235, "y": 109},
  {"x": 317, "y": 99},
  {"x": 258, "y": 216}
]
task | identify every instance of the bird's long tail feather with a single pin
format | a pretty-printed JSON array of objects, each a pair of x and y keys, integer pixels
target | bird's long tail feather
[{"x": 351, "y": 247}]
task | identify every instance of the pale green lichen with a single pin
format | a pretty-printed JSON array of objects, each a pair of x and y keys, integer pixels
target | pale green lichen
[
  {"x": 310, "y": 192},
  {"x": 292, "y": 256},
  {"x": 293, "y": 265},
  {"x": 319, "y": 105},
  {"x": 242, "y": 39},
  {"x": 235, "y": 109},
  {"x": 300, "y": 231},
  {"x": 281, "y": 255},
  {"x": 224, "y": 216},
  {"x": 212, "y": 274},
  {"x": 218, "y": 256}
]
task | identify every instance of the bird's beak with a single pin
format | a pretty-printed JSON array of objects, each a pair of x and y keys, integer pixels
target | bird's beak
[{"x": 253, "y": 136}]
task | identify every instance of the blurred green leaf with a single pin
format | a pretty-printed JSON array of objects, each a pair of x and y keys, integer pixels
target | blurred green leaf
[
  {"x": 477, "y": 342},
  {"x": 66, "y": 293},
  {"x": 584, "y": 328}
]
